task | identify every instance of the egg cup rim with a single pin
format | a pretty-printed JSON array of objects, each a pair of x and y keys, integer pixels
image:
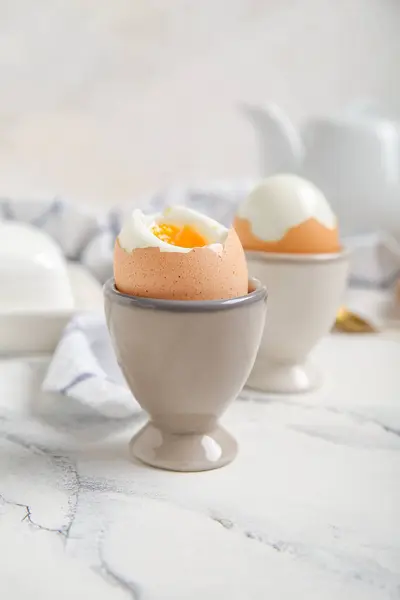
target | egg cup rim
[
  {"x": 298, "y": 258},
  {"x": 259, "y": 293}
]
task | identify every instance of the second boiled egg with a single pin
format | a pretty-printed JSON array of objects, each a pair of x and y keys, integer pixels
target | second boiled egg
[{"x": 287, "y": 214}]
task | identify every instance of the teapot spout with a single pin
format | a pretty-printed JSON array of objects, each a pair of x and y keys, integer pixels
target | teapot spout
[{"x": 280, "y": 143}]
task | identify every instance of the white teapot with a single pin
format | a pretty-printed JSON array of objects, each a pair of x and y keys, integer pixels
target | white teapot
[{"x": 354, "y": 158}]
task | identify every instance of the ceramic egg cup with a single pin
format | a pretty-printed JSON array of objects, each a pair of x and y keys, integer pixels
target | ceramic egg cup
[
  {"x": 184, "y": 362},
  {"x": 304, "y": 294}
]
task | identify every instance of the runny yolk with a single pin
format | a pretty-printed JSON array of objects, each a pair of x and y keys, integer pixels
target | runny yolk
[{"x": 184, "y": 236}]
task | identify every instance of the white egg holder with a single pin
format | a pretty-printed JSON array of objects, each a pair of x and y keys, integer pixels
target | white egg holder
[
  {"x": 86, "y": 242},
  {"x": 31, "y": 332},
  {"x": 86, "y": 239},
  {"x": 39, "y": 330}
]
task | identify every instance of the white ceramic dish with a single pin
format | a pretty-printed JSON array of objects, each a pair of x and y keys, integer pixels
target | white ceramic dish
[
  {"x": 39, "y": 291},
  {"x": 39, "y": 330},
  {"x": 33, "y": 270}
]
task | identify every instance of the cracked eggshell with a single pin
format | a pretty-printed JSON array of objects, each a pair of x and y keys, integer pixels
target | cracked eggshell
[{"x": 201, "y": 274}]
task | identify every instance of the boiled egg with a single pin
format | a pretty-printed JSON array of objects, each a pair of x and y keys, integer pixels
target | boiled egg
[
  {"x": 179, "y": 254},
  {"x": 287, "y": 214}
]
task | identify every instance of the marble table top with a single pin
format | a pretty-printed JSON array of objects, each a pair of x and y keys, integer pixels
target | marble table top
[{"x": 309, "y": 509}]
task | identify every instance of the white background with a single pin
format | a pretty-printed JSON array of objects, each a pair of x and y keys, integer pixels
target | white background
[{"x": 105, "y": 100}]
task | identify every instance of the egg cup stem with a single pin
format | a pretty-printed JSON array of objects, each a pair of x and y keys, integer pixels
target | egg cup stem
[
  {"x": 183, "y": 451},
  {"x": 285, "y": 378}
]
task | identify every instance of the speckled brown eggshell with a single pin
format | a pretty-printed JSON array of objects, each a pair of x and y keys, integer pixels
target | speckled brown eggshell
[{"x": 201, "y": 274}]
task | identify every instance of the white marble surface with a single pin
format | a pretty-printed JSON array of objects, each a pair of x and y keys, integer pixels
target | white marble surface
[{"x": 310, "y": 508}]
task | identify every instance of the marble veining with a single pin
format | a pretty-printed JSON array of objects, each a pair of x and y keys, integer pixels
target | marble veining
[{"x": 310, "y": 507}]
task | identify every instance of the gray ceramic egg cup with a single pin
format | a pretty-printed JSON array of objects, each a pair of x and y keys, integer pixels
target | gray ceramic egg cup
[{"x": 184, "y": 362}]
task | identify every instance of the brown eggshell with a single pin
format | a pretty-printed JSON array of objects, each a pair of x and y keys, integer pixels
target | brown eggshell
[
  {"x": 201, "y": 274},
  {"x": 398, "y": 292},
  {"x": 310, "y": 237}
]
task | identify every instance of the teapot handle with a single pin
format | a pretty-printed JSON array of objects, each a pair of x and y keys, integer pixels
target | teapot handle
[{"x": 281, "y": 147}]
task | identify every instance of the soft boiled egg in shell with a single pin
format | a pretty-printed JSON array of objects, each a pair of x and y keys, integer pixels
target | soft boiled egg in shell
[
  {"x": 287, "y": 214},
  {"x": 179, "y": 254}
]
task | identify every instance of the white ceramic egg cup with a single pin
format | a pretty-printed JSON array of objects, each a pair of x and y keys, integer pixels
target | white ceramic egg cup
[{"x": 304, "y": 294}]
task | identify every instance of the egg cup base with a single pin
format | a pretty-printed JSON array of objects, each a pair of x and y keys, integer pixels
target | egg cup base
[
  {"x": 186, "y": 452},
  {"x": 276, "y": 378}
]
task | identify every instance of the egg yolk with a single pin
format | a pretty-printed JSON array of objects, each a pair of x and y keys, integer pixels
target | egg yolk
[{"x": 184, "y": 236}]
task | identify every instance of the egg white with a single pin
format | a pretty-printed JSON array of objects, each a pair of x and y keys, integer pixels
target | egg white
[
  {"x": 282, "y": 202},
  {"x": 137, "y": 229}
]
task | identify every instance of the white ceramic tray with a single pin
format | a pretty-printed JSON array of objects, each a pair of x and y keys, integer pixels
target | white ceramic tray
[{"x": 39, "y": 331}]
